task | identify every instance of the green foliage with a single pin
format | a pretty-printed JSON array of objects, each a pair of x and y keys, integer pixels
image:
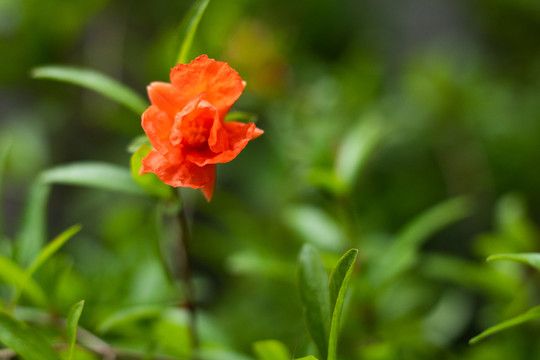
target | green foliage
[
  {"x": 189, "y": 28},
  {"x": 313, "y": 286},
  {"x": 339, "y": 284},
  {"x": 95, "y": 81},
  {"x": 322, "y": 298},
  {"x": 44, "y": 255},
  {"x": 24, "y": 341},
  {"x": 271, "y": 350},
  {"x": 72, "y": 323},
  {"x": 419, "y": 153},
  {"x": 532, "y": 314},
  {"x": 532, "y": 259}
]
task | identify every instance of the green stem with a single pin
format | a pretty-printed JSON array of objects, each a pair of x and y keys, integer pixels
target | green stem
[{"x": 185, "y": 273}]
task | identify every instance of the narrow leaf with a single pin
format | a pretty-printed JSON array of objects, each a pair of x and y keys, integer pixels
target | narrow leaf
[
  {"x": 11, "y": 273},
  {"x": 72, "y": 324},
  {"x": 52, "y": 248},
  {"x": 44, "y": 255},
  {"x": 95, "y": 175},
  {"x": 189, "y": 28},
  {"x": 339, "y": 284},
  {"x": 402, "y": 253},
  {"x": 532, "y": 314},
  {"x": 357, "y": 148},
  {"x": 129, "y": 315},
  {"x": 271, "y": 350},
  {"x": 532, "y": 259},
  {"x": 313, "y": 286},
  {"x": 149, "y": 182},
  {"x": 4, "y": 152},
  {"x": 241, "y": 117},
  {"x": 24, "y": 341},
  {"x": 31, "y": 236},
  {"x": 310, "y": 357},
  {"x": 95, "y": 81}
]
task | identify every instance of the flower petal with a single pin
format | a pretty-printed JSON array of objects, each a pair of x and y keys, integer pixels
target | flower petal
[
  {"x": 217, "y": 79},
  {"x": 167, "y": 98},
  {"x": 157, "y": 126},
  {"x": 182, "y": 174},
  {"x": 239, "y": 135}
]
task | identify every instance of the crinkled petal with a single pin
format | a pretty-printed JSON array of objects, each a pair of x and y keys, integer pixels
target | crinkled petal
[
  {"x": 218, "y": 141},
  {"x": 167, "y": 98},
  {"x": 217, "y": 79},
  {"x": 157, "y": 126},
  {"x": 182, "y": 174},
  {"x": 239, "y": 135}
]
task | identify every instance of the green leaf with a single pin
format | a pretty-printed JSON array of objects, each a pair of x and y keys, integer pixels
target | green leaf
[
  {"x": 240, "y": 116},
  {"x": 532, "y": 259},
  {"x": 4, "y": 152},
  {"x": 95, "y": 81},
  {"x": 339, "y": 284},
  {"x": 95, "y": 175},
  {"x": 24, "y": 341},
  {"x": 532, "y": 314},
  {"x": 52, "y": 248},
  {"x": 11, "y": 273},
  {"x": 137, "y": 142},
  {"x": 45, "y": 254},
  {"x": 31, "y": 237},
  {"x": 149, "y": 182},
  {"x": 315, "y": 227},
  {"x": 129, "y": 315},
  {"x": 271, "y": 350},
  {"x": 357, "y": 148},
  {"x": 313, "y": 286},
  {"x": 72, "y": 323},
  {"x": 172, "y": 332},
  {"x": 403, "y": 252},
  {"x": 310, "y": 357},
  {"x": 189, "y": 28}
]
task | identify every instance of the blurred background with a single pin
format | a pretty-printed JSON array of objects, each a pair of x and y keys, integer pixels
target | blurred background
[{"x": 384, "y": 121}]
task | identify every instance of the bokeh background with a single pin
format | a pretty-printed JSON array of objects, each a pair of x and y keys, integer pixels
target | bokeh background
[{"x": 374, "y": 112}]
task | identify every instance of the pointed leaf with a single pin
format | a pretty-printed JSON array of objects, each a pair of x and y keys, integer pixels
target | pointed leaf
[
  {"x": 95, "y": 81},
  {"x": 150, "y": 182},
  {"x": 339, "y": 284},
  {"x": 189, "y": 28},
  {"x": 95, "y": 175},
  {"x": 72, "y": 324},
  {"x": 11, "y": 273},
  {"x": 31, "y": 236},
  {"x": 52, "y": 248},
  {"x": 4, "y": 151},
  {"x": 129, "y": 315},
  {"x": 402, "y": 253},
  {"x": 24, "y": 341},
  {"x": 532, "y": 314},
  {"x": 271, "y": 350},
  {"x": 45, "y": 254},
  {"x": 532, "y": 259},
  {"x": 313, "y": 286},
  {"x": 357, "y": 148}
]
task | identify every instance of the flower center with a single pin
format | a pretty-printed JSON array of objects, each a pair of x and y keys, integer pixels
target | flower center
[{"x": 196, "y": 130}]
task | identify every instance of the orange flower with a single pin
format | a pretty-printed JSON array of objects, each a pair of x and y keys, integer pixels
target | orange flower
[{"x": 186, "y": 127}]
